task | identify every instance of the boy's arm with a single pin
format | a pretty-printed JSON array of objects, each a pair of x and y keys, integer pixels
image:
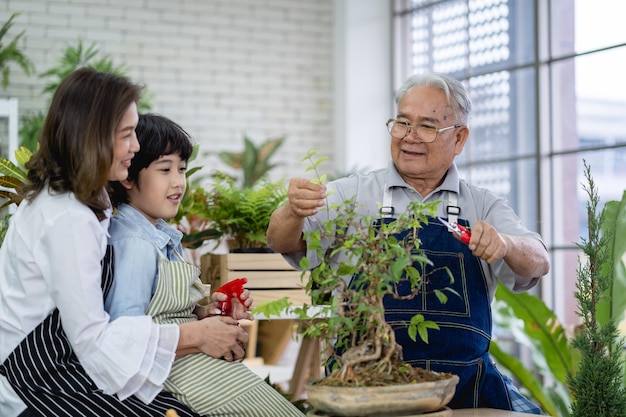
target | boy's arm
[{"x": 135, "y": 274}]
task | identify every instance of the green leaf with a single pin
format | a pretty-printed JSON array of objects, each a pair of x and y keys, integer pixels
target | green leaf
[
  {"x": 526, "y": 378},
  {"x": 8, "y": 168},
  {"x": 614, "y": 224},
  {"x": 540, "y": 330}
]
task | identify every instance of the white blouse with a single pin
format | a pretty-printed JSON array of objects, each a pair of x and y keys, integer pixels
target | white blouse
[{"x": 50, "y": 259}]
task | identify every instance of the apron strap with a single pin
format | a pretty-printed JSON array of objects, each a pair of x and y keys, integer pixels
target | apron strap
[{"x": 453, "y": 210}]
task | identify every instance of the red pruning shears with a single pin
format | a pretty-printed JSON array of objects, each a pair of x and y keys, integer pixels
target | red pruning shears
[{"x": 463, "y": 233}]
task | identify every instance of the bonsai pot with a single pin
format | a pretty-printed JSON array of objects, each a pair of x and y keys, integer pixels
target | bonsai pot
[{"x": 390, "y": 400}]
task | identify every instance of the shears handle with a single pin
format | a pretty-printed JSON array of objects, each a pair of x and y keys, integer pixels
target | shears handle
[{"x": 466, "y": 235}]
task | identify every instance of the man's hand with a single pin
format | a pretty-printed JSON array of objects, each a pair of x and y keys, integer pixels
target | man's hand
[
  {"x": 527, "y": 257},
  {"x": 305, "y": 197},
  {"x": 487, "y": 243},
  {"x": 284, "y": 234}
]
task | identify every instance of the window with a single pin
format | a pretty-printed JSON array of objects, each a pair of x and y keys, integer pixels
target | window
[{"x": 547, "y": 89}]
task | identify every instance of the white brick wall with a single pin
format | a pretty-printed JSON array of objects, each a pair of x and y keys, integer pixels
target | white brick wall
[{"x": 221, "y": 68}]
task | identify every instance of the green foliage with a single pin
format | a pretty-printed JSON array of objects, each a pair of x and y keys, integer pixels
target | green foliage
[
  {"x": 242, "y": 214},
  {"x": 351, "y": 317},
  {"x": 597, "y": 387},
  {"x": 72, "y": 58},
  {"x": 613, "y": 228},
  {"x": 13, "y": 177},
  {"x": 253, "y": 161},
  {"x": 4, "y": 226},
  {"x": 557, "y": 359},
  {"x": 10, "y": 53},
  {"x": 532, "y": 324},
  {"x": 11, "y": 181}
]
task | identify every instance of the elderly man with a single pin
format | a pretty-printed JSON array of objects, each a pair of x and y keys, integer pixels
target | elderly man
[{"x": 429, "y": 130}]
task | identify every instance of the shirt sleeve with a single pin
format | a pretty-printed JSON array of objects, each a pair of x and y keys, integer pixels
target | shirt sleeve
[
  {"x": 505, "y": 220},
  {"x": 136, "y": 274},
  {"x": 129, "y": 356}
]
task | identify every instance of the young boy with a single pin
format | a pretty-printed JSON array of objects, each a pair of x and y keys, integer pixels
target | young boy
[{"x": 152, "y": 278}]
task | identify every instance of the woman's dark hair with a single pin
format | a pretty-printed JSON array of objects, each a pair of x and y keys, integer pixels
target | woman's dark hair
[
  {"x": 157, "y": 136},
  {"x": 76, "y": 144}
]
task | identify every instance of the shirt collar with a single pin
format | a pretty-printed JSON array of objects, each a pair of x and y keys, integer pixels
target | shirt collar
[
  {"x": 450, "y": 182},
  {"x": 163, "y": 234}
]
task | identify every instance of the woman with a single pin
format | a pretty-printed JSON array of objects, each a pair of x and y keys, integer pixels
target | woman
[{"x": 52, "y": 284}]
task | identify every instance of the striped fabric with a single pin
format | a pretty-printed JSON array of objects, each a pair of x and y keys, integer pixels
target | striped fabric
[
  {"x": 46, "y": 374},
  {"x": 208, "y": 385}
]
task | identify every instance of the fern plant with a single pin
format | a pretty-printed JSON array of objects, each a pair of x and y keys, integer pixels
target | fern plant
[{"x": 241, "y": 215}]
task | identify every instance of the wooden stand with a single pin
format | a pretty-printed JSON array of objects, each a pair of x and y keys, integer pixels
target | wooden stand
[{"x": 270, "y": 278}]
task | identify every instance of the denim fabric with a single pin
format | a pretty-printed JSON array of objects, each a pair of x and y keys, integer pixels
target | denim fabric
[
  {"x": 134, "y": 240},
  {"x": 461, "y": 345}
]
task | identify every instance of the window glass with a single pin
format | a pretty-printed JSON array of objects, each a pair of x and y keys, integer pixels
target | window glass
[
  {"x": 514, "y": 180},
  {"x": 589, "y": 103},
  {"x": 599, "y": 23},
  {"x": 503, "y": 122},
  {"x": 546, "y": 87}
]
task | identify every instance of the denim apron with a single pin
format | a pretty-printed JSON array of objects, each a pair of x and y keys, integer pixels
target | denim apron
[
  {"x": 210, "y": 386},
  {"x": 461, "y": 345},
  {"x": 57, "y": 385}
]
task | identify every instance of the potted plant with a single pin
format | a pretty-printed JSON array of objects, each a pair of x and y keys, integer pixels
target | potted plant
[
  {"x": 347, "y": 313},
  {"x": 232, "y": 208}
]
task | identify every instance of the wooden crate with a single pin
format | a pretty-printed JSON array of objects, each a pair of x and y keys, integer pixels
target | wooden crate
[{"x": 269, "y": 276}]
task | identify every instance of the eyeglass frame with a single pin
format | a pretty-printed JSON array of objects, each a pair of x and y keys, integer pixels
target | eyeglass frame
[{"x": 410, "y": 128}]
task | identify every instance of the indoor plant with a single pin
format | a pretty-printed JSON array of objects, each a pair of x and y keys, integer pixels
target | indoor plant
[
  {"x": 72, "y": 58},
  {"x": 556, "y": 358},
  {"x": 11, "y": 181},
  {"x": 351, "y": 318},
  {"x": 235, "y": 208},
  {"x": 10, "y": 54}
]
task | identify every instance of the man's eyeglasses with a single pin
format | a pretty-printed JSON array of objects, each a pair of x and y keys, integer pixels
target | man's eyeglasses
[{"x": 426, "y": 133}]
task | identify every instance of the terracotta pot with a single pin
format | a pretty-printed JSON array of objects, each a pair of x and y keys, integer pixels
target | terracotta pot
[{"x": 392, "y": 400}]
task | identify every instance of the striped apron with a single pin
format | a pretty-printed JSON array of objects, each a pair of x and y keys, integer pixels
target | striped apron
[
  {"x": 46, "y": 374},
  {"x": 210, "y": 386}
]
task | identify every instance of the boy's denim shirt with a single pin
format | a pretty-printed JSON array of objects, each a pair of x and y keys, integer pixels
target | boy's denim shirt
[{"x": 135, "y": 241}]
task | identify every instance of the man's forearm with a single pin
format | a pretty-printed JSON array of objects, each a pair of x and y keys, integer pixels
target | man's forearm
[
  {"x": 527, "y": 257},
  {"x": 284, "y": 234}
]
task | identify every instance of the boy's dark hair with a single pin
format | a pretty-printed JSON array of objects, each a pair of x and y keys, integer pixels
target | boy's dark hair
[{"x": 157, "y": 136}]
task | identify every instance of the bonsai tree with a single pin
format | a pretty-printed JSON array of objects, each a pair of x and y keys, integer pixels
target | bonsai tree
[{"x": 347, "y": 297}]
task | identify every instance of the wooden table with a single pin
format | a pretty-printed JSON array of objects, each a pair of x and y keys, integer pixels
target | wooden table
[{"x": 487, "y": 412}]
